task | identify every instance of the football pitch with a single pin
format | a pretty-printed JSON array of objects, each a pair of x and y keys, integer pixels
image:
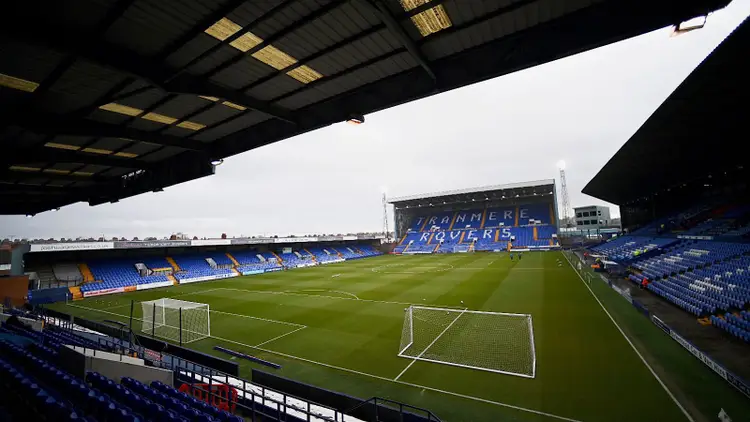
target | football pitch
[{"x": 340, "y": 326}]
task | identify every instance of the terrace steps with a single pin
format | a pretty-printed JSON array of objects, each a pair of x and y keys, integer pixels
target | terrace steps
[{"x": 173, "y": 263}]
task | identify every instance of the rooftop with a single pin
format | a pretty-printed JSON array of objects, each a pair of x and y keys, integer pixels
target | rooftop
[{"x": 113, "y": 98}]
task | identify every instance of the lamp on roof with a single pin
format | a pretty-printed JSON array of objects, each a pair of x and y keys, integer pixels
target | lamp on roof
[
  {"x": 217, "y": 162},
  {"x": 356, "y": 119},
  {"x": 683, "y": 27}
]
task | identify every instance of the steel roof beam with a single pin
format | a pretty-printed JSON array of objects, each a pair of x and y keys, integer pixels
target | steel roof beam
[
  {"x": 67, "y": 40},
  {"x": 50, "y": 155},
  {"x": 277, "y": 36},
  {"x": 26, "y": 175},
  {"x": 54, "y": 125},
  {"x": 400, "y": 34}
]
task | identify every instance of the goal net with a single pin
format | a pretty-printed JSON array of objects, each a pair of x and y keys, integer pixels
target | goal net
[
  {"x": 176, "y": 320},
  {"x": 487, "y": 341}
]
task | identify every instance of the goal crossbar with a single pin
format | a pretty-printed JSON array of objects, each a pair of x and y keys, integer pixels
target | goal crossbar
[{"x": 497, "y": 342}]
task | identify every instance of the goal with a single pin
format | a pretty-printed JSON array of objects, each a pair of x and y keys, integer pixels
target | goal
[
  {"x": 486, "y": 341},
  {"x": 176, "y": 320}
]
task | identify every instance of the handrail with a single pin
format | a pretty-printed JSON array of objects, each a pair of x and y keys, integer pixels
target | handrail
[{"x": 389, "y": 404}]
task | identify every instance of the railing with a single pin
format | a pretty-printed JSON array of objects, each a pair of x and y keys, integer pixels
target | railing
[
  {"x": 64, "y": 282},
  {"x": 394, "y": 405},
  {"x": 255, "y": 401}
]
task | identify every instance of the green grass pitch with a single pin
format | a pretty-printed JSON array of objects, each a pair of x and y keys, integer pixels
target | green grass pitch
[{"x": 339, "y": 326}]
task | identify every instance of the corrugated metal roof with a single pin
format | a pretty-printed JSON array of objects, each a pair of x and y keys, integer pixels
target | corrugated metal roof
[{"x": 143, "y": 79}]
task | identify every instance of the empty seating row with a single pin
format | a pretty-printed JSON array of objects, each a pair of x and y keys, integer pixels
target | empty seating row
[
  {"x": 58, "y": 395},
  {"x": 629, "y": 247},
  {"x": 735, "y": 326}
]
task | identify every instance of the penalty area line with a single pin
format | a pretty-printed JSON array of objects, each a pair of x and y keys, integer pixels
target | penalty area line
[
  {"x": 283, "y": 335},
  {"x": 423, "y": 387},
  {"x": 664, "y": 386}
]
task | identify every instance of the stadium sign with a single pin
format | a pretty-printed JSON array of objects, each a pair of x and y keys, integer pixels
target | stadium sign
[
  {"x": 250, "y": 241},
  {"x": 152, "y": 244},
  {"x": 76, "y": 246},
  {"x": 153, "y": 285},
  {"x": 206, "y": 278},
  {"x": 732, "y": 379},
  {"x": 104, "y": 292},
  {"x": 211, "y": 242},
  {"x": 295, "y": 239},
  {"x": 252, "y": 272}
]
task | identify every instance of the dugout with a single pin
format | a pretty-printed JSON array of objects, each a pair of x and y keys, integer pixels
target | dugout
[{"x": 690, "y": 149}]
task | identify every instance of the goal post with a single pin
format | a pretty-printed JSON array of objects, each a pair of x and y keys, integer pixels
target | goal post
[
  {"x": 176, "y": 320},
  {"x": 487, "y": 341}
]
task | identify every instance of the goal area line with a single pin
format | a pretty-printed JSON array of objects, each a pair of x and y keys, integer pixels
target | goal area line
[
  {"x": 373, "y": 376},
  {"x": 413, "y": 340},
  {"x": 497, "y": 371},
  {"x": 467, "y": 311}
]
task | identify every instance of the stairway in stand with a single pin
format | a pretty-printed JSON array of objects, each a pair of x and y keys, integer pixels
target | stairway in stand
[
  {"x": 231, "y": 258},
  {"x": 171, "y": 278},
  {"x": 76, "y": 292},
  {"x": 173, "y": 263},
  {"x": 88, "y": 276},
  {"x": 278, "y": 258},
  {"x": 312, "y": 255}
]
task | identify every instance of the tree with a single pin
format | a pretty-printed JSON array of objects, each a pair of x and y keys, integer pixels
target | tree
[
  {"x": 173, "y": 237},
  {"x": 195, "y": 237},
  {"x": 135, "y": 239},
  {"x": 223, "y": 235}
]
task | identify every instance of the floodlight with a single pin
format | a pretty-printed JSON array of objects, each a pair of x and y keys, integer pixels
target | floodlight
[
  {"x": 29, "y": 215},
  {"x": 217, "y": 162},
  {"x": 697, "y": 22},
  {"x": 561, "y": 165},
  {"x": 356, "y": 119}
]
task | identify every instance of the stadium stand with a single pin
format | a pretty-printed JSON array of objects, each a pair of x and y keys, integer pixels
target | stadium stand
[
  {"x": 325, "y": 255},
  {"x": 698, "y": 262},
  {"x": 251, "y": 261},
  {"x": 522, "y": 215},
  {"x": 112, "y": 274},
  {"x": 130, "y": 272},
  {"x": 36, "y": 388},
  {"x": 195, "y": 265},
  {"x": 537, "y": 236},
  {"x": 67, "y": 272},
  {"x": 629, "y": 247}
]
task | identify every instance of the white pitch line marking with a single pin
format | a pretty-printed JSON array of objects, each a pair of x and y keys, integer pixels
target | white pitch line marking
[
  {"x": 261, "y": 319},
  {"x": 664, "y": 386},
  {"x": 212, "y": 310},
  {"x": 421, "y": 387},
  {"x": 273, "y": 292},
  {"x": 283, "y": 335},
  {"x": 424, "y": 387},
  {"x": 322, "y": 290}
]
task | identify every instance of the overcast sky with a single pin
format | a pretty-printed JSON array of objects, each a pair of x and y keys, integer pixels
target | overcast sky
[{"x": 515, "y": 128}]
